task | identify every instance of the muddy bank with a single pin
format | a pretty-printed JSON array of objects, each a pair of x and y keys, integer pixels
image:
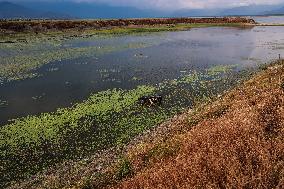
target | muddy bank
[{"x": 50, "y": 25}]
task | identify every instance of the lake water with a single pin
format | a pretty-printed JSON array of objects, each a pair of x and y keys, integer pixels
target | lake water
[
  {"x": 162, "y": 56},
  {"x": 269, "y": 19}
]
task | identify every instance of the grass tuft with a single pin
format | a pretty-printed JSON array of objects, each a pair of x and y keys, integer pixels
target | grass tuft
[{"x": 124, "y": 169}]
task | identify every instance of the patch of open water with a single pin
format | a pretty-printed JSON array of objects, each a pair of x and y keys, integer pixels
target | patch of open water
[{"x": 167, "y": 57}]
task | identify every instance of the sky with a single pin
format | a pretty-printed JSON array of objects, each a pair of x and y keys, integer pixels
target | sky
[{"x": 178, "y": 4}]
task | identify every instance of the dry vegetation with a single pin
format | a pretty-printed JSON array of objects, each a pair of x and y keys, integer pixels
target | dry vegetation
[
  {"x": 238, "y": 144},
  {"x": 49, "y": 25},
  {"x": 235, "y": 142}
]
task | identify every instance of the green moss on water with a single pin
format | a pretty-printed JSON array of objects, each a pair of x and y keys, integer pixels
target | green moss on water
[
  {"x": 30, "y": 130},
  {"x": 105, "y": 119},
  {"x": 21, "y": 66},
  {"x": 215, "y": 70},
  {"x": 3, "y": 103},
  {"x": 28, "y": 51},
  {"x": 33, "y": 129}
]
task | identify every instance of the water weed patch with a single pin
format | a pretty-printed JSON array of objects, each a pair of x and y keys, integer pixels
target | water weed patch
[{"x": 105, "y": 119}]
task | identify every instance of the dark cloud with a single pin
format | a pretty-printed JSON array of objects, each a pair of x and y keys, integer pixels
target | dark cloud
[{"x": 175, "y": 4}]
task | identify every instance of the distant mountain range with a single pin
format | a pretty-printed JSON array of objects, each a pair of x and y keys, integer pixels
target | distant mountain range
[
  {"x": 11, "y": 10},
  {"x": 71, "y": 10},
  {"x": 250, "y": 10},
  {"x": 196, "y": 12},
  {"x": 93, "y": 10},
  {"x": 65, "y": 10},
  {"x": 279, "y": 11}
]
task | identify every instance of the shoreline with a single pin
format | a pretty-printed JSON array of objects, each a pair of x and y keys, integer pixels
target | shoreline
[
  {"x": 115, "y": 167},
  {"x": 269, "y": 25},
  {"x": 41, "y": 26},
  {"x": 8, "y": 37},
  {"x": 54, "y": 133}
]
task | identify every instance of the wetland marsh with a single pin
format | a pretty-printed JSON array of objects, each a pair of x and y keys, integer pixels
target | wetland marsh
[{"x": 68, "y": 96}]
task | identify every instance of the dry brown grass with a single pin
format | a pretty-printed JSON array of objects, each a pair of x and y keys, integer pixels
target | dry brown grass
[
  {"x": 238, "y": 145},
  {"x": 46, "y": 25}
]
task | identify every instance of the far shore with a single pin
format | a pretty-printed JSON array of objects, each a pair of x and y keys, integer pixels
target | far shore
[{"x": 136, "y": 25}]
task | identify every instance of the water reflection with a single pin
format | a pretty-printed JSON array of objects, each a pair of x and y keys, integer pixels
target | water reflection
[
  {"x": 168, "y": 55},
  {"x": 269, "y": 19}
]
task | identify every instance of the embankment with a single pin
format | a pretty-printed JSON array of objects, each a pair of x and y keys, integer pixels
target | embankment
[
  {"x": 236, "y": 142},
  {"x": 47, "y": 25}
]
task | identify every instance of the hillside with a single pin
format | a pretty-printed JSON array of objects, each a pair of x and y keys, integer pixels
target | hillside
[
  {"x": 236, "y": 11},
  {"x": 279, "y": 11},
  {"x": 248, "y": 10},
  {"x": 235, "y": 141},
  {"x": 91, "y": 10},
  {"x": 11, "y": 10},
  {"x": 196, "y": 12},
  {"x": 103, "y": 10},
  {"x": 94, "y": 10}
]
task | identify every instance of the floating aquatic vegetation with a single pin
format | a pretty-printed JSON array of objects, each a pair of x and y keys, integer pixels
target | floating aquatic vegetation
[
  {"x": 20, "y": 66},
  {"x": 101, "y": 101},
  {"x": 38, "y": 97},
  {"x": 137, "y": 78},
  {"x": 140, "y": 55},
  {"x": 3, "y": 103},
  {"x": 108, "y": 71},
  {"x": 68, "y": 83},
  {"x": 107, "y": 118},
  {"x": 216, "y": 70},
  {"x": 189, "y": 78},
  {"x": 81, "y": 63},
  {"x": 52, "y": 69},
  {"x": 32, "y": 129}
]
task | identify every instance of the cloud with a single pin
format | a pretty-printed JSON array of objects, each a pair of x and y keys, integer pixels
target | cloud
[{"x": 178, "y": 4}]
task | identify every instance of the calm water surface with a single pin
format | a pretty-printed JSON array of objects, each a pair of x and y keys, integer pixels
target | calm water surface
[
  {"x": 269, "y": 19},
  {"x": 166, "y": 56}
]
